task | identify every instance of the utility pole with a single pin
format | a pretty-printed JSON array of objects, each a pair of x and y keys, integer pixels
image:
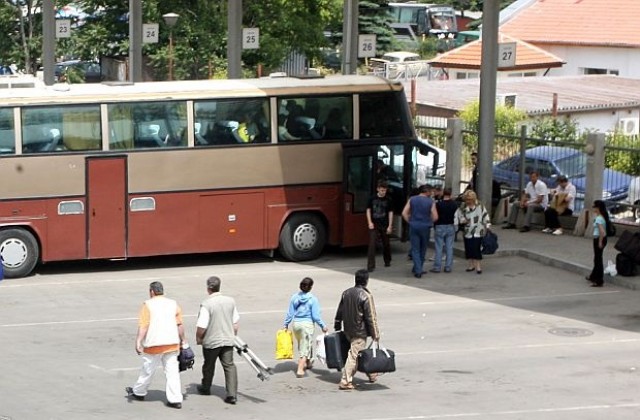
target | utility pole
[
  {"x": 48, "y": 41},
  {"x": 135, "y": 41},
  {"x": 234, "y": 43},
  {"x": 350, "y": 37},
  {"x": 488, "y": 82}
]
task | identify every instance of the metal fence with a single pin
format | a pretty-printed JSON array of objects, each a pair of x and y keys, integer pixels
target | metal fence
[{"x": 515, "y": 156}]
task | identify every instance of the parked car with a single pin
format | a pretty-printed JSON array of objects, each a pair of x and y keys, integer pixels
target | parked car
[
  {"x": 464, "y": 37},
  {"x": 551, "y": 161},
  {"x": 634, "y": 196},
  {"x": 6, "y": 70},
  {"x": 399, "y": 63},
  {"x": 89, "y": 71}
]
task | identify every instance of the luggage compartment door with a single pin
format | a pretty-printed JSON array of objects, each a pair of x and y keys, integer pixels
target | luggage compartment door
[{"x": 106, "y": 204}]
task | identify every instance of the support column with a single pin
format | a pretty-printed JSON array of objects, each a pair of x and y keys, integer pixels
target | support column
[
  {"x": 488, "y": 76},
  {"x": 453, "y": 174},
  {"x": 48, "y": 41},
  {"x": 135, "y": 41},
  {"x": 234, "y": 42}
]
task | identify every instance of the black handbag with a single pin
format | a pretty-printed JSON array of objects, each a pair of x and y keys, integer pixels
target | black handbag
[
  {"x": 489, "y": 243},
  {"x": 376, "y": 359},
  {"x": 186, "y": 359}
]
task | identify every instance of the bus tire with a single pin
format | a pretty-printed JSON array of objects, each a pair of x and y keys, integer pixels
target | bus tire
[
  {"x": 302, "y": 237},
  {"x": 19, "y": 251}
]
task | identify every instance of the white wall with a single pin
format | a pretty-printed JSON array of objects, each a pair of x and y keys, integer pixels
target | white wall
[
  {"x": 602, "y": 121},
  {"x": 625, "y": 60}
]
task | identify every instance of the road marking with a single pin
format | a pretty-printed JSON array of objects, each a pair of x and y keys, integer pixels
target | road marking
[
  {"x": 522, "y": 346},
  {"x": 489, "y": 414},
  {"x": 23, "y": 284},
  {"x": 461, "y": 300}
]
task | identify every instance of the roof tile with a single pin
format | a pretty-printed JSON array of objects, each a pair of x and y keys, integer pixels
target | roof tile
[{"x": 577, "y": 22}]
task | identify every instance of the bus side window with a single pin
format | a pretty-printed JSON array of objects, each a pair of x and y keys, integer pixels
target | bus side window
[{"x": 7, "y": 133}]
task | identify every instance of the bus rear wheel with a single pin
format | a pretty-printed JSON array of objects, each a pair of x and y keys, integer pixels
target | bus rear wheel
[
  {"x": 303, "y": 237},
  {"x": 19, "y": 251}
]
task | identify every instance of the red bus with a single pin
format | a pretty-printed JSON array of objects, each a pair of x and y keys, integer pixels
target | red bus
[{"x": 122, "y": 171}]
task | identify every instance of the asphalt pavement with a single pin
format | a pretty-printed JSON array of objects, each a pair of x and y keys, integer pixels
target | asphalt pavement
[
  {"x": 567, "y": 251},
  {"x": 525, "y": 340}
]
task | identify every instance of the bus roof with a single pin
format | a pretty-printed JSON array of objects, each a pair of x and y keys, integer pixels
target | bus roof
[{"x": 194, "y": 89}]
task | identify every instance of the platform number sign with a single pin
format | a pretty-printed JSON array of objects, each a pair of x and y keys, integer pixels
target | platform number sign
[
  {"x": 366, "y": 46},
  {"x": 63, "y": 28},
  {"x": 250, "y": 38},
  {"x": 150, "y": 33},
  {"x": 506, "y": 54}
]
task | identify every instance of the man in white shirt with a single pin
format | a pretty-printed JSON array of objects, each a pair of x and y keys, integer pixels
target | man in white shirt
[
  {"x": 534, "y": 198},
  {"x": 562, "y": 204},
  {"x": 217, "y": 327}
]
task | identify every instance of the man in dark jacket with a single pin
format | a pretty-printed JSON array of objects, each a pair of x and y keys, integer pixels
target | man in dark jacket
[{"x": 356, "y": 314}]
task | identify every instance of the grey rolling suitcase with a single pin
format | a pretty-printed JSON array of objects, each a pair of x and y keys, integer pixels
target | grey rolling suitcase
[{"x": 336, "y": 347}]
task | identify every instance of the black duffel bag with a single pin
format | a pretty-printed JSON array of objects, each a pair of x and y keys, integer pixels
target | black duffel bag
[
  {"x": 625, "y": 266},
  {"x": 376, "y": 359},
  {"x": 629, "y": 244}
]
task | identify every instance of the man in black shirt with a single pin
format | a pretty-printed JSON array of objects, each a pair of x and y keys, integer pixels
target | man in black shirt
[
  {"x": 379, "y": 221},
  {"x": 445, "y": 231}
]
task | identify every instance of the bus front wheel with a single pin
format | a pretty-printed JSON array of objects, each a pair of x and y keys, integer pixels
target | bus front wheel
[
  {"x": 303, "y": 237},
  {"x": 19, "y": 251}
]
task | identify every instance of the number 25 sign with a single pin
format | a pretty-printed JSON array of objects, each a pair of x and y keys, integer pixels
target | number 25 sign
[{"x": 250, "y": 38}]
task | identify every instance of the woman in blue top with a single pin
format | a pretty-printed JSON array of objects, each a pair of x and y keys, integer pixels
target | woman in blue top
[
  {"x": 600, "y": 223},
  {"x": 304, "y": 311}
]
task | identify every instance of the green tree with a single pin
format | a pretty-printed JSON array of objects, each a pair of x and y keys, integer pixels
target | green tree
[
  {"x": 555, "y": 129},
  {"x": 375, "y": 19},
  {"x": 508, "y": 123}
]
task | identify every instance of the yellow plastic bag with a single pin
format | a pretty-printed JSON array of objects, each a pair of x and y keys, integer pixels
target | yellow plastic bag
[{"x": 284, "y": 345}]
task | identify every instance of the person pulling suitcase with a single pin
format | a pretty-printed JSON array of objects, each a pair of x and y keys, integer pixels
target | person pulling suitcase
[{"x": 356, "y": 316}]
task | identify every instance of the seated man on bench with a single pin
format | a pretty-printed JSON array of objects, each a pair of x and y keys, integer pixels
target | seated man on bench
[
  {"x": 562, "y": 203},
  {"x": 534, "y": 198}
]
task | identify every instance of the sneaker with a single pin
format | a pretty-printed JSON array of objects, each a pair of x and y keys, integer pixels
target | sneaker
[
  {"x": 435, "y": 270},
  {"x": 231, "y": 400},
  {"x": 547, "y": 230},
  {"x": 557, "y": 231}
]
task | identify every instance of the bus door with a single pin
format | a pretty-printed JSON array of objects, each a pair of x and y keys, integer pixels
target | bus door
[
  {"x": 106, "y": 205},
  {"x": 358, "y": 180}
]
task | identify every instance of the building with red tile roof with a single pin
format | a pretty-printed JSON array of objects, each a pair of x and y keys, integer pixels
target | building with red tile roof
[
  {"x": 465, "y": 62},
  {"x": 592, "y": 36}
]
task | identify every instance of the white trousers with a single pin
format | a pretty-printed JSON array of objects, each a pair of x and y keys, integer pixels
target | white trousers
[{"x": 169, "y": 362}]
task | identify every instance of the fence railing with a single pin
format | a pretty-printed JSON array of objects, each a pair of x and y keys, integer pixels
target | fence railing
[{"x": 515, "y": 156}]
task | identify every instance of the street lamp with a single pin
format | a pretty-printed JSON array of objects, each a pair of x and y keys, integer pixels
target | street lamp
[{"x": 170, "y": 20}]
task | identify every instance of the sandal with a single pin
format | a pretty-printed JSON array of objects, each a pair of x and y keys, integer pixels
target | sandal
[
  {"x": 346, "y": 387},
  {"x": 372, "y": 377},
  {"x": 299, "y": 375}
]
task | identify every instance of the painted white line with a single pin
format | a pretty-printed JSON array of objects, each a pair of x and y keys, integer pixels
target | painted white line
[
  {"x": 23, "y": 284},
  {"x": 462, "y": 300},
  {"x": 522, "y": 346},
  {"x": 490, "y": 414}
]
